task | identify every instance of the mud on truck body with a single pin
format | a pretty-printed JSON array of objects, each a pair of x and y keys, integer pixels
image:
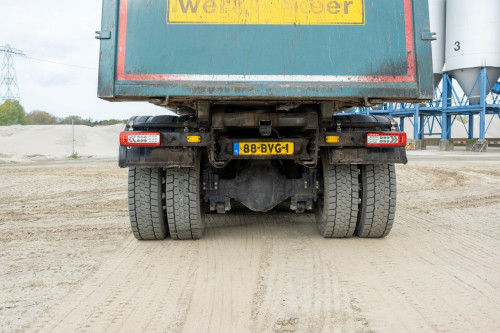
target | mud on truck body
[{"x": 260, "y": 91}]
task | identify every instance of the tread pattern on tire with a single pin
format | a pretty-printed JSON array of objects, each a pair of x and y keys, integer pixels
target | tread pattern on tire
[
  {"x": 185, "y": 217},
  {"x": 337, "y": 214},
  {"x": 378, "y": 200},
  {"x": 145, "y": 202}
]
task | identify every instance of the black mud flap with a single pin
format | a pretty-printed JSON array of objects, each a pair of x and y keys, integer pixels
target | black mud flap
[
  {"x": 157, "y": 157},
  {"x": 367, "y": 155}
]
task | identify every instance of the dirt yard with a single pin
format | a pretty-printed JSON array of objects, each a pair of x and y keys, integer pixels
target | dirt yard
[{"x": 68, "y": 261}]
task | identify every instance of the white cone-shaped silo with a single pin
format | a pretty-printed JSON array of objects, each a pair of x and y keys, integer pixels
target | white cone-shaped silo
[
  {"x": 471, "y": 42},
  {"x": 437, "y": 16}
]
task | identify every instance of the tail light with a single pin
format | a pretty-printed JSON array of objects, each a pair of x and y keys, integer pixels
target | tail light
[
  {"x": 386, "y": 139},
  {"x": 140, "y": 139}
]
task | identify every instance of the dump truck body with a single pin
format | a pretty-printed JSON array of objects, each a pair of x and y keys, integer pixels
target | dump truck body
[
  {"x": 260, "y": 89},
  {"x": 368, "y": 50}
]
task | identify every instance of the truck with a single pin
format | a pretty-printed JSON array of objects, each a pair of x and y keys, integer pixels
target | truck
[{"x": 258, "y": 98}]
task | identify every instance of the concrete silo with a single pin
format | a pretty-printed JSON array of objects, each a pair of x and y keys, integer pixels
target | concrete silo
[
  {"x": 471, "y": 43},
  {"x": 437, "y": 16}
]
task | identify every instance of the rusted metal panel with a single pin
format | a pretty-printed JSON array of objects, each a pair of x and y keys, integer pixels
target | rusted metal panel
[{"x": 305, "y": 120}]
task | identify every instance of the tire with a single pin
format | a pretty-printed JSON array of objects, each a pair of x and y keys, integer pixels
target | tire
[
  {"x": 146, "y": 202},
  {"x": 337, "y": 208},
  {"x": 186, "y": 216},
  {"x": 378, "y": 200},
  {"x": 163, "y": 120},
  {"x": 374, "y": 122}
]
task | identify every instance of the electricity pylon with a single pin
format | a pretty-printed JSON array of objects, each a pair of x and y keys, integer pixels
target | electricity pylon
[{"x": 8, "y": 80}]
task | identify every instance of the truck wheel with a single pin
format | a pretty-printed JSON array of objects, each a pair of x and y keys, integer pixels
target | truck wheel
[
  {"x": 146, "y": 195},
  {"x": 378, "y": 200},
  {"x": 186, "y": 218},
  {"x": 337, "y": 207}
]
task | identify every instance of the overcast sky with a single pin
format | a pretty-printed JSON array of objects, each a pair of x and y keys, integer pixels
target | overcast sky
[{"x": 60, "y": 31}]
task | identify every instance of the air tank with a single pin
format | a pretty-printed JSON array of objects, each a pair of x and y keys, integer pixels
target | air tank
[
  {"x": 472, "y": 42},
  {"x": 437, "y": 16}
]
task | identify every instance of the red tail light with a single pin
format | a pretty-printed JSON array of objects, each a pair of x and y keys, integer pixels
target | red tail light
[
  {"x": 141, "y": 139},
  {"x": 386, "y": 139}
]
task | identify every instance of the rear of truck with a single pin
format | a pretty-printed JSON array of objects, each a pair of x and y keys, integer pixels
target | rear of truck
[{"x": 260, "y": 91}]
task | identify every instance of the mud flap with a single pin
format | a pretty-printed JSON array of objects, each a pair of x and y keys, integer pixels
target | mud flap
[
  {"x": 367, "y": 155},
  {"x": 157, "y": 157}
]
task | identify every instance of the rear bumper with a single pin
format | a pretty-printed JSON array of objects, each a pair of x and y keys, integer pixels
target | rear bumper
[{"x": 175, "y": 151}]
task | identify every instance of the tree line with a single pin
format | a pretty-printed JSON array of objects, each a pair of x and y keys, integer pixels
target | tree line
[{"x": 12, "y": 113}]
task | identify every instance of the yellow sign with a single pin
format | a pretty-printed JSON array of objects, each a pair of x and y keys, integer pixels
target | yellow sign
[{"x": 298, "y": 12}]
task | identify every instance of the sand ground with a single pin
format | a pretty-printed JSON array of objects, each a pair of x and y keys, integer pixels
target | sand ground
[{"x": 69, "y": 263}]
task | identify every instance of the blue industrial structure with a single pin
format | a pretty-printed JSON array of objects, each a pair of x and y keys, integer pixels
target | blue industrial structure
[{"x": 437, "y": 116}]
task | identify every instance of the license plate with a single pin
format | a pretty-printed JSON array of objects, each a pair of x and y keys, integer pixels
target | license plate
[{"x": 263, "y": 148}]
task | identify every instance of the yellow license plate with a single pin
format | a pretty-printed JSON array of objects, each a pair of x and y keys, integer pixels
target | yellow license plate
[{"x": 263, "y": 148}]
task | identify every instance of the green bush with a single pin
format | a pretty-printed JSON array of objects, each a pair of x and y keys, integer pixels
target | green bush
[
  {"x": 38, "y": 117},
  {"x": 89, "y": 122},
  {"x": 74, "y": 155},
  {"x": 77, "y": 121},
  {"x": 12, "y": 113},
  {"x": 109, "y": 122}
]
